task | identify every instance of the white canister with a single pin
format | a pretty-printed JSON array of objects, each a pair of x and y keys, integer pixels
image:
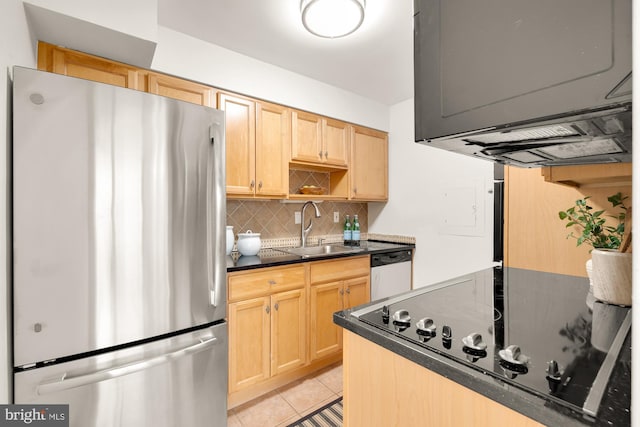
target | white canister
[
  {"x": 249, "y": 243},
  {"x": 230, "y": 239}
]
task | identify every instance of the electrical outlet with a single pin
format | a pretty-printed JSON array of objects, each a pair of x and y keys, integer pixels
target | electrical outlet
[
  {"x": 296, "y": 218},
  {"x": 336, "y": 217}
]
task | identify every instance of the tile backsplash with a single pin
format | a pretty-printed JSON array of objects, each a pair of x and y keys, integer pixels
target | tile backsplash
[{"x": 274, "y": 219}]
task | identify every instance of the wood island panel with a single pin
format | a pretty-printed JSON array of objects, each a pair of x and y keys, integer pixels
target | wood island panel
[{"x": 382, "y": 388}]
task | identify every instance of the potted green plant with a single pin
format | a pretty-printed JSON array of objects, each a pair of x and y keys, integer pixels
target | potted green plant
[{"x": 609, "y": 269}]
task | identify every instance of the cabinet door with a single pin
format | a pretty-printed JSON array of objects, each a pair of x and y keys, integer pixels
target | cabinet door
[
  {"x": 369, "y": 164},
  {"x": 357, "y": 291},
  {"x": 249, "y": 343},
  {"x": 288, "y": 331},
  {"x": 240, "y": 143},
  {"x": 306, "y": 143},
  {"x": 336, "y": 136},
  {"x": 183, "y": 90},
  {"x": 325, "y": 336},
  {"x": 273, "y": 142},
  {"x": 59, "y": 60}
]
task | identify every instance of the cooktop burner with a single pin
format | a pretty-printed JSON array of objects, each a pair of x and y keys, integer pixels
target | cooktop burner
[{"x": 537, "y": 331}]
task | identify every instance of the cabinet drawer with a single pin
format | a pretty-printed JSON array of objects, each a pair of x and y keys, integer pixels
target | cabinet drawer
[
  {"x": 243, "y": 285},
  {"x": 332, "y": 270}
]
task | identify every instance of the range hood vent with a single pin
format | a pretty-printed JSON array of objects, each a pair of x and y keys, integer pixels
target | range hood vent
[{"x": 602, "y": 136}]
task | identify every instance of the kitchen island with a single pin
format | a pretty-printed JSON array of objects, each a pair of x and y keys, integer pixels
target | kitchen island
[{"x": 393, "y": 379}]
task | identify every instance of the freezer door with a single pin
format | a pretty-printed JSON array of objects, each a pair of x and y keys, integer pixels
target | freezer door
[
  {"x": 180, "y": 381},
  {"x": 118, "y": 215}
]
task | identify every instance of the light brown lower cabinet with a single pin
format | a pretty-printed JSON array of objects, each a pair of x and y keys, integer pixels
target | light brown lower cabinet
[
  {"x": 271, "y": 335},
  {"x": 268, "y": 334},
  {"x": 267, "y": 324},
  {"x": 335, "y": 286},
  {"x": 382, "y": 388}
]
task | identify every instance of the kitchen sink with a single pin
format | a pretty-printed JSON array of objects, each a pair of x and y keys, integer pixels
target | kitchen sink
[{"x": 318, "y": 251}]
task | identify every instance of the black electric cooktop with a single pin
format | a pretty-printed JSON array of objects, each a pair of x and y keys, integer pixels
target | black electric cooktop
[{"x": 540, "y": 332}]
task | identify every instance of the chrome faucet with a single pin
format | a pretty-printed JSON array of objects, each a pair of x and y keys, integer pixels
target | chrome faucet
[{"x": 305, "y": 231}]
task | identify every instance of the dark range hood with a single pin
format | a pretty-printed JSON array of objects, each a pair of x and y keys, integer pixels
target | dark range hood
[{"x": 525, "y": 83}]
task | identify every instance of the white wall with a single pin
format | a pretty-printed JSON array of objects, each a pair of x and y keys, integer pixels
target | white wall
[
  {"x": 190, "y": 58},
  {"x": 138, "y": 18},
  {"x": 425, "y": 189},
  {"x": 16, "y": 49}
]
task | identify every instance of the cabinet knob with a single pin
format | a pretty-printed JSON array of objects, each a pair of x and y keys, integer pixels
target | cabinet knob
[
  {"x": 348, "y": 290},
  {"x": 341, "y": 291},
  {"x": 276, "y": 306},
  {"x": 253, "y": 184},
  {"x": 268, "y": 309},
  {"x": 272, "y": 282},
  {"x": 260, "y": 185},
  {"x": 326, "y": 155},
  {"x": 320, "y": 155}
]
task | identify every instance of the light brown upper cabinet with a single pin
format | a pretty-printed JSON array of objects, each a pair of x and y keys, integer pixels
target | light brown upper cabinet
[
  {"x": 369, "y": 170},
  {"x": 258, "y": 136},
  {"x": 181, "y": 89},
  {"x": 318, "y": 140},
  {"x": 68, "y": 62}
]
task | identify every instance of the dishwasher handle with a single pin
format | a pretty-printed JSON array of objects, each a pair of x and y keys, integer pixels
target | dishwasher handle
[{"x": 387, "y": 258}]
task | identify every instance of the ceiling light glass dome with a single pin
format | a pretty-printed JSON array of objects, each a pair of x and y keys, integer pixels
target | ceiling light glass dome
[{"x": 332, "y": 18}]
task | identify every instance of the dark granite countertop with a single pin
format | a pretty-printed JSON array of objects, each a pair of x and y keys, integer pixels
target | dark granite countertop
[
  {"x": 271, "y": 257},
  {"x": 614, "y": 408}
]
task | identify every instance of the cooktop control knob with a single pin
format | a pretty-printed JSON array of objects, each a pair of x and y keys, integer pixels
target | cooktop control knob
[
  {"x": 553, "y": 370},
  {"x": 554, "y": 375},
  {"x": 474, "y": 347},
  {"x": 401, "y": 317},
  {"x": 512, "y": 359},
  {"x": 426, "y": 328},
  {"x": 446, "y": 332},
  {"x": 474, "y": 342},
  {"x": 447, "y": 335},
  {"x": 385, "y": 314}
]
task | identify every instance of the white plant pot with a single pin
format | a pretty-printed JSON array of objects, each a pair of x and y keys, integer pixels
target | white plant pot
[
  {"x": 611, "y": 276},
  {"x": 589, "y": 268}
]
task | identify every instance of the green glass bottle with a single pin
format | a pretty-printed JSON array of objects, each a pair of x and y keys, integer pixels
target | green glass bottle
[
  {"x": 347, "y": 231},
  {"x": 355, "y": 231}
]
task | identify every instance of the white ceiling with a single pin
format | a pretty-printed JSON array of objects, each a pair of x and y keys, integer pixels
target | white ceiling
[{"x": 376, "y": 61}]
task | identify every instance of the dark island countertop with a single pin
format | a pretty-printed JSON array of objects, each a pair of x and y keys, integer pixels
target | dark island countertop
[
  {"x": 614, "y": 408},
  {"x": 271, "y": 257}
]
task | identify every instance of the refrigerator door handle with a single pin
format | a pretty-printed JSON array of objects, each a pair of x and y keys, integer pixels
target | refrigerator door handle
[
  {"x": 210, "y": 251},
  {"x": 66, "y": 383},
  {"x": 216, "y": 266}
]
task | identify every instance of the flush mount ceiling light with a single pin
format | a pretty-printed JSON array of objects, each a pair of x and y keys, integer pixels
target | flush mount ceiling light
[{"x": 332, "y": 18}]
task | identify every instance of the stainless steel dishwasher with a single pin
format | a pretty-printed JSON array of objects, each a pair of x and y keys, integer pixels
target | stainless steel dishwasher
[{"x": 390, "y": 273}]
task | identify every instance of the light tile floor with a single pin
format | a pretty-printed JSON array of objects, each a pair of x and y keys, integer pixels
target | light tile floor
[{"x": 289, "y": 403}]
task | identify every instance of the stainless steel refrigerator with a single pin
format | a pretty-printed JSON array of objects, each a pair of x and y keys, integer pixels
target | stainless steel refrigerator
[{"x": 119, "y": 294}]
